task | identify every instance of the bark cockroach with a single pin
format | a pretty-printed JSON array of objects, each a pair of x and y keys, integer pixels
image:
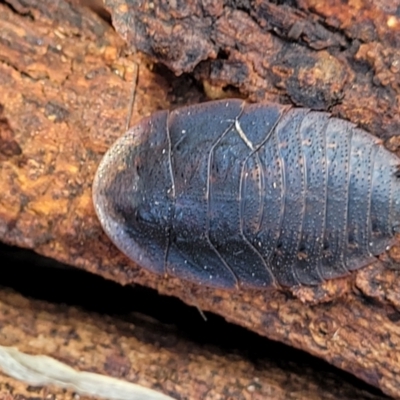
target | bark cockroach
[{"x": 228, "y": 194}]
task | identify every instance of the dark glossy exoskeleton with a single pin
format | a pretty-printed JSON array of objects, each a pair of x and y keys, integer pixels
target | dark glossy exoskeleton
[{"x": 229, "y": 194}]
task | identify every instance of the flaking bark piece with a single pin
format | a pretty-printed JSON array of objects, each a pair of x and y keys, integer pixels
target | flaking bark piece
[{"x": 325, "y": 55}]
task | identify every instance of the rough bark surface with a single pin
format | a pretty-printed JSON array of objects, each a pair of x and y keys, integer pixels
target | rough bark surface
[
  {"x": 153, "y": 355},
  {"x": 12, "y": 389},
  {"x": 65, "y": 85},
  {"x": 326, "y": 55}
]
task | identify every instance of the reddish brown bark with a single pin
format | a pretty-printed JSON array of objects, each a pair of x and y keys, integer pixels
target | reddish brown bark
[
  {"x": 65, "y": 85},
  {"x": 327, "y": 55},
  {"x": 148, "y": 353}
]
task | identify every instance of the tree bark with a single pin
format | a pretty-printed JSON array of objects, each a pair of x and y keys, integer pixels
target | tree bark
[
  {"x": 65, "y": 80},
  {"x": 326, "y": 55},
  {"x": 145, "y": 352}
]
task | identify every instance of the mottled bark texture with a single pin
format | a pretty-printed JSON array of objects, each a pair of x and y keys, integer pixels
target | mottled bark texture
[
  {"x": 65, "y": 84},
  {"x": 145, "y": 352},
  {"x": 326, "y": 55}
]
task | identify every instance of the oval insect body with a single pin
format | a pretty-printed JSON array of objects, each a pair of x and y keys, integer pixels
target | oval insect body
[{"x": 229, "y": 194}]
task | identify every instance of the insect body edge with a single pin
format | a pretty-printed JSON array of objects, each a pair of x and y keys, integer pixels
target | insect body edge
[{"x": 229, "y": 194}]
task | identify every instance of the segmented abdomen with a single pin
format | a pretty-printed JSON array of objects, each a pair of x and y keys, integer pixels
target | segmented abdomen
[{"x": 267, "y": 192}]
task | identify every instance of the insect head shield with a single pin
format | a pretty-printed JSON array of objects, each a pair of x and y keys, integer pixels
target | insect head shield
[{"x": 129, "y": 193}]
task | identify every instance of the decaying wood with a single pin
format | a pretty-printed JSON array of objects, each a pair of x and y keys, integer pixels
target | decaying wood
[
  {"x": 153, "y": 355},
  {"x": 326, "y": 55},
  {"x": 12, "y": 389},
  {"x": 65, "y": 85}
]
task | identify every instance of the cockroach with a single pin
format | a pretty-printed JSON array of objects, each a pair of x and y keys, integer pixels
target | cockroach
[{"x": 228, "y": 194}]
